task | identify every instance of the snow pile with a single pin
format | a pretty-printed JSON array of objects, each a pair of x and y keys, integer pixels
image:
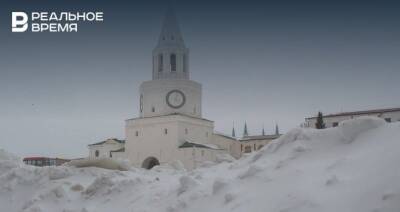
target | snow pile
[
  {"x": 106, "y": 163},
  {"x": 352, "y": 128},
  {"x": 353, "y": 167},
  {"x": 6, "y": 156},
  {"x": 8, "y": 161}
]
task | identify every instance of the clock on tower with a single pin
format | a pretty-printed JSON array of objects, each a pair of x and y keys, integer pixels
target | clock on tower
[{"x": 175, "y": 98}]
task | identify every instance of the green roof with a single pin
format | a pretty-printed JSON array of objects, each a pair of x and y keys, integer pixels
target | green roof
[
  {"x": 226, "y": 136},
  {"x": 114, "y": 139},
  {"x": 119, "y": 150},
  {"x": 260, "y": 137},
  {"x": 191, "y": 145}
]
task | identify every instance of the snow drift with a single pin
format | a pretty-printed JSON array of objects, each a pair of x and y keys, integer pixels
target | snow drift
[
  {"x": 353, "y": 167},
  {"x": 106, "y": 163}
]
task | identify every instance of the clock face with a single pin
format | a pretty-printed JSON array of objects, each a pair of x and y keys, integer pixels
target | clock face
[{"x": 175, "y": 99}]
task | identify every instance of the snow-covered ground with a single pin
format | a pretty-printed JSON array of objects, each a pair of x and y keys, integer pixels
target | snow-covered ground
[{"x": 354, "y": 167}]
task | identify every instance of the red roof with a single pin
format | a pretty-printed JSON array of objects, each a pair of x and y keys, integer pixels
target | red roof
[
  {"x": 36, "y": 158},
  {"x": 42, "y": 158}
]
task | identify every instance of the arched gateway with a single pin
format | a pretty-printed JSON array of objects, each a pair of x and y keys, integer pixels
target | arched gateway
[{"x": 150, "y": 162}]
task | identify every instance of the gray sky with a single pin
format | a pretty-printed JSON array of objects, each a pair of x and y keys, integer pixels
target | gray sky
[{"x": 259, "y": 62}]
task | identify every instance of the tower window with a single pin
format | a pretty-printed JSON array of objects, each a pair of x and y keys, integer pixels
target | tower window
[
  {"x": 137, "y": 133},
  {"x": 97, "y": 153},
  {"x": 160, "y": 63},
  {"x": 165, "y": 131},
  {"x": 173, "y": 62},
  {"x": 153, "y": 109},
  {"x": 184, "y": 63}
]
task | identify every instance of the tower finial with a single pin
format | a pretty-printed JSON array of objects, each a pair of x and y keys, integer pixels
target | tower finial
[
  {"x": 263, "y": 131},
  {"x": 233, "y": 130},
  {"x": 276, "y": 129},
  {"x": 245, "y": 132}
]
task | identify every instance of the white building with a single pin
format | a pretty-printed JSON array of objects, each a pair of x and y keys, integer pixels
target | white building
[
  {"x": 105, "y": 149},
  {"x": 250, "y": 143},
  {"x": 333, "y": 120},
  {"x": 170, "y": 126}
]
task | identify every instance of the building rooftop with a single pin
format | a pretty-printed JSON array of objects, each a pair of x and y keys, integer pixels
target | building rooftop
[
  {"x": 119, "y": 150},
  {"x": 188, "y": 144},
  {"x": 42, "y": 158},
  {"x": 112, "y": 139},
  {"x": 259, "y": 137},
  {"x": 224, "y": 135},
  {"x": 361, "y": 112},
  {"x": 171, "y": 114}
]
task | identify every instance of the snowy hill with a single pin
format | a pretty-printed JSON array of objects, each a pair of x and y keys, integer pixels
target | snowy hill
[{"x": 353, "y": 167}]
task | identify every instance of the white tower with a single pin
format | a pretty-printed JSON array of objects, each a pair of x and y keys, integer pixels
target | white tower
[
  {"x": 170, "y": 122},
  {"x": 171, "y": 90}
]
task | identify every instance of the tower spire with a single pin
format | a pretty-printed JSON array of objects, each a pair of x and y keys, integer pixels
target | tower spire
[
  {"x": 233, "y": 130},
  {"x": 170, "y": 56},
  {"x": 263, "y": 131},
  {"x": 245, "y": 132},
  {"x": 170, "y": 32},
  {"x": 276, "y": 129}
]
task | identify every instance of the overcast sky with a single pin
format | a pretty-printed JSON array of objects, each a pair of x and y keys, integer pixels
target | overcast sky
[{"x": 259, "y": 62}]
